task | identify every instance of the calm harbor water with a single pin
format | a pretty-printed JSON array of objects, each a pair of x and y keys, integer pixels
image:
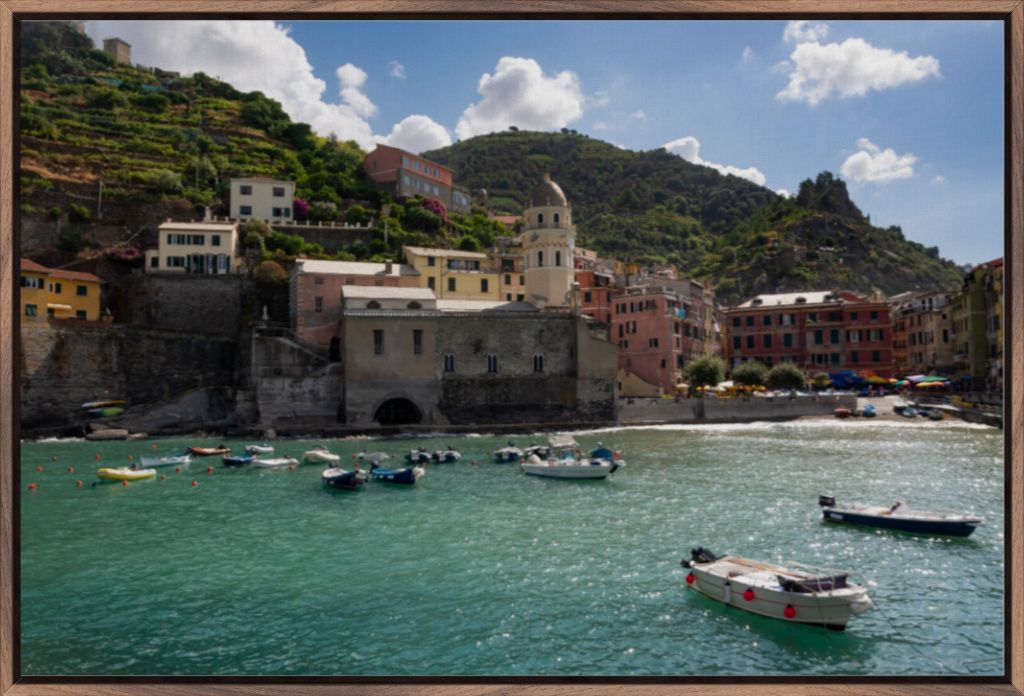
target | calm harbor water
[{"x": 480, "y": 570}]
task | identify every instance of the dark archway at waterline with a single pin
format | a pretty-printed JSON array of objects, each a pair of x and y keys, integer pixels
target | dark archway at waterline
[{"x": 398, "y": 412}]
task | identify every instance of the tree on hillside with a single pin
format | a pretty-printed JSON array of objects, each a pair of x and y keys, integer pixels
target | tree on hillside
[
  {"x": 751, "y": 373},
  {"x": 705, "y": 371},
  {"x": 786, "y": 376}
]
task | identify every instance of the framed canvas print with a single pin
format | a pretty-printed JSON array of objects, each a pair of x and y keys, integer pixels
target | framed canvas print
[{"x": 411, "y": 347}]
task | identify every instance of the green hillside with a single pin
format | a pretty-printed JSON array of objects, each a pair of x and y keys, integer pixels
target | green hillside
[{"x": 655, "y": 207}]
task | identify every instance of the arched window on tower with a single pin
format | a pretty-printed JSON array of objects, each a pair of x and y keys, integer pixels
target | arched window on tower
[
  {"x": 540, "y": 258},
  {"x": 540, "y": 217},
  {"x": 558, "y": 258},
  {"x": 556, "y": 218}
]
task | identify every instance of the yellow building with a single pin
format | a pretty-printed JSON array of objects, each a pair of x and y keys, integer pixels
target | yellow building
[
  {"x": 455, "y": 275},
  {"x": 53, "y": 292}
]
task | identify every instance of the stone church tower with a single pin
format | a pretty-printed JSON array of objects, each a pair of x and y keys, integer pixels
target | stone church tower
[{"x": 548, "y": 238}]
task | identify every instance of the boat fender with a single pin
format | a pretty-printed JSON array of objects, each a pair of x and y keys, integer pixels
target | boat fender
[
  {"x": 748, "y": 594},
  {"x": 690, "y": 579},
  {"x": 728, "y": 592},
  {"x": 789, "y": 612}
]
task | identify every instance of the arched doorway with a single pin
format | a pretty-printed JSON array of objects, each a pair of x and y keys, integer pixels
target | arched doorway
[{"x": 398, "y": 412}]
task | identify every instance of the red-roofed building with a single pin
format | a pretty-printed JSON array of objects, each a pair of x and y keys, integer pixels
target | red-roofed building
[
  {"x": 54, "y": 292},
  {"x": 408, "y": 175}
]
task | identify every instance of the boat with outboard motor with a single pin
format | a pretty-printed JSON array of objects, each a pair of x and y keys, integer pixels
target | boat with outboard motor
[
  {"x": 372, "y": 457},
  {"x": 320, "y": 455},
  {"x": 508, "y": 453},
  {"x": 898, "y": 517},
  {"x": 237, "y": 461},
  {"x": 418, "y": 456},
  {"x": 566, "y": 461},
  {"x": 794, "y": 593},
  {"x": 407, "y": 475},
  {"x": 170, "y": 460},
  {"x": 274, "y": 462},
  {"x": 259, "y": 449},
  {"x": 343, "y": 479},
  {"x": 208, "y": 451},
  {"x": 448, "y": 455},
  {"x": 542, "y": 451}
]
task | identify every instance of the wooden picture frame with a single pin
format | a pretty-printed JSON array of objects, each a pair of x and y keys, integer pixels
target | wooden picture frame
[{"x": 1010, "y": 12}]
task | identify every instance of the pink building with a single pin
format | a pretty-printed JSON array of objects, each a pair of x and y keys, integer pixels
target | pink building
[
  {"x": 411, "y": 175},
  {"x": 315, "y": 297},
  {"x": 649, "y": 331},
  {"x": 596, "y": 294}
]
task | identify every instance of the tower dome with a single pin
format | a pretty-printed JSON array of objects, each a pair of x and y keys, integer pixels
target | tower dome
[{"x": 548, "y": 192}]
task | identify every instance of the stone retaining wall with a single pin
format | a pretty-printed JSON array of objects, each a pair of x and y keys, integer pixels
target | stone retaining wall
[{"x": 705, "y": 410}]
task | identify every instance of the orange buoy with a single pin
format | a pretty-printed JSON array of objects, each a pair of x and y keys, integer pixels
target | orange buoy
[
  {"x": 78, "y": 484},
  {"x": 177, "y": 469},
  {"x": 97, "y": 456},
  {"x": 71, "y": 469},
  {"x": 163, "y": 477},
  {"x": 124, "y": 483},
  {"x": 153, "y": 446},
  {"x": 39, "y": 469},
  {"x": 209, "y": 469},
  {"x": 195, "y": 483},
  {"x": 32, "y": 486}
]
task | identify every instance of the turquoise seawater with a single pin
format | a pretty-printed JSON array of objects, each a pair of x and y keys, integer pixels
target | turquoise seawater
[{"x": 480, "y": 570}]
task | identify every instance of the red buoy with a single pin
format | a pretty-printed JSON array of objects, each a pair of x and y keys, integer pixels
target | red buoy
[
  {"x": 748, "y": 594},
  {"x": 78, "y": 484},
  {"x": 39, "y": 469},
  {"x": 32, "y": 486},
  {"x": 153, "y": 446},
  {"x": 97, "y": 455},
  {"x": 195, "y": 483},
  {"x": 789, "y": 612},
  {"x": 124, "y": 483},
  {"x": 209, "y": 469},
  {"x": 177, "y": 469},
  {"x": 690, "y": 579},
  {"x": 71, "y": 469}
]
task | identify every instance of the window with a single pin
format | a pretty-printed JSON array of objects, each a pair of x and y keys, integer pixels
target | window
[
  {"x": 414, "y": 305},
  {"x": 679, "y": 361},
  {"x": 663, "y": 362},
  {"x": 522, "y": 280},
  {"x": 215, "y": 240},
  {"x": 431, "y": 261},
  {"x": 736, "y": 322},
  {"x": 620, "y": 330},
  {"x": 540, "y": 258},
  {"x": 833, "y": 336},
  {"x": 519, "y": 297},
  {"x": 318, "y": 304},
  {"x": 819, "y": 337},
  {"x": 245, "y": 190},
  {"x": 175, "y": 261},
  {"x": 833, "y": 316},
  {"x": 378, "y": 342},
  {"x": 287, "y": 212},
  {"x": 483, "y": 285},
  {"x": 558, "y": 258},
  {"x": 540, "y": 217},
  {"x": 538, "y": 363},
  {"x": 767, "y": 320},
  {"x": 833, "y": 358},
  {"x": 451, "y": 285},
  {"x": 750, "y": 321},
  {"x": 508, "y": 279},
  {"x": 319, "y": 280},
  {"x": 874, "y": 316},
  {"x": 876, "y": 356},
  {"x": 492, "y": 363},
  {"x": 279, "y": 192},
  {"x": 28, "y": 282},
  {"x": 245, "y": 210},
  {"x": 82, "y": 291},
  {"x": 652, "y": 343},
  {"x": 853, "y": 336},
  {"x": 853, "y": 316},
  {"x": 787, "y": 340},
  {"x": 768, "y": 341},
  {"x": 736, "y": 342},
  {"x": 750, "y": 341},
  {"x": 813, "y": 316},
  {"x": 449, "y": 362},
  {"x": 31, "y": 310},
  {"x": 453, "y": 264},
  {"x": 508, "y": 297},
  {"x": 854, "y": 356},
  {"x": 154, "y": 262},
  {"x": 431, "y": 282},
  {"x": 80, "y": 314},
  {"x": 417, "y": 341}
]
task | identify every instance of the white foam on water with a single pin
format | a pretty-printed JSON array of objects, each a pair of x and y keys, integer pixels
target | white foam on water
[{"x": 57, "y": 439}]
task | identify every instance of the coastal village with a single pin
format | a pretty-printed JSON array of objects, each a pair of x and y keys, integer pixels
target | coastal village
[{"x": 534, "y": 330}]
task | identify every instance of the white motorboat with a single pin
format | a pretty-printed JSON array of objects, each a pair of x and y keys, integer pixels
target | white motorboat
[
  {"x": 566, "y": 461},
  {"x": 320, "y": 455},
  {"x": 372, "y": 457},
  {"x": 172, "y": 460},
  {"x": 508, "y": 453},
  {"x": 796, "y": 594},
  {"x": 541, "y": 451},
  {"x": 274, "y": 462},
  {"x": 259, "y": 449},
  {"x": 447, "y": 456}
]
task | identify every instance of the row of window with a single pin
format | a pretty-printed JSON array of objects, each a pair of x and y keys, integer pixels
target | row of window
[
  {"x": 540, "y": 218},
  {"x": 447, "y": 359},
  {"x": 55, "y": 288},
  {"x": 540, "y": 259},
  {"x": 415, "y": 183},
  {"x": 790, "y": 319},
  {"x": 421, "y": 167},
  {"x": 246, "y": 190},
  {"x": 639, "y": 306},
  {"x": 284, "y": 212},
  {"x": 522, "y": 281},
  {"x": 196, "y": 263},
  {"x": 193, "y": 239},
  {"x": 485, "y": 285},
  {"x": 32, "y": 310}
]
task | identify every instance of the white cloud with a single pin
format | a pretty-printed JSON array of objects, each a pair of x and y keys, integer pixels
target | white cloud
[
  {"x": 639, "y": 115},
  {"x": 748, "y": 54},
  {"x": 519, "y": 94},
  {"x": 873, "y": 164},
  {"x": 599, "y": 98},
  {"x": 938, "y": 180},
  {"x": 850, "y": 69},
  {"x": 396, "y": 69},
  {"x": 689, "y": 149},
  {"x": 798, "y": 31},
  {"x": 352, "y": 79},
  {"x": 417, "y": 133},
  {"x": 600, "y": 125},
  {"x": 784, "y": 192},
  {"x": 253, "y": 55}
]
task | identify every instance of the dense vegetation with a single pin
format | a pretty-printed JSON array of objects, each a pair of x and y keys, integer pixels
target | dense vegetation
[{"x": 654, "y": 207}]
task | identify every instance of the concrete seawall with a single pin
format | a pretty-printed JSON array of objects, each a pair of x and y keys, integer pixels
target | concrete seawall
[{"x": 720, "y": 410}]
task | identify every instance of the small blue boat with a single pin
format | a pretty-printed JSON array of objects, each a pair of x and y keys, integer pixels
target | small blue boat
[
  {"x": 899, "y": 518},
  {"x": 418, "y": 456},
  {"x": 868, "y": 411},
  {"x": 447, "y": 456},
  {"x": 342, "y": 479},
  {"x": 406, "y": 475},
  {"x": 237, "y": 461}
]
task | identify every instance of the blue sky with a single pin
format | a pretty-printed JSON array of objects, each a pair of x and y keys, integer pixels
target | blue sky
[{"x": 909, "y": 113}]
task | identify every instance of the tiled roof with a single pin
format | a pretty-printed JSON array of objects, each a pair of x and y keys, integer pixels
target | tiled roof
[
  {"x": 30, "y": 265},
  {"x": 446, "y": 253},
  {"x": 353, "y": 268},
  {"x": 483, "y": 306},
  {"x": 788, "y": 298},
  {"x": 365, "y": 292},
  {"x": 74, "y": 275}
]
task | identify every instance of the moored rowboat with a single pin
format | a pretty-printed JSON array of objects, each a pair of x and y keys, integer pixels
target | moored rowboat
[
  {"x": 125, "y": 474},
  {"x": 209, "y": 451},
  {"x": 898, "y": 517}
]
